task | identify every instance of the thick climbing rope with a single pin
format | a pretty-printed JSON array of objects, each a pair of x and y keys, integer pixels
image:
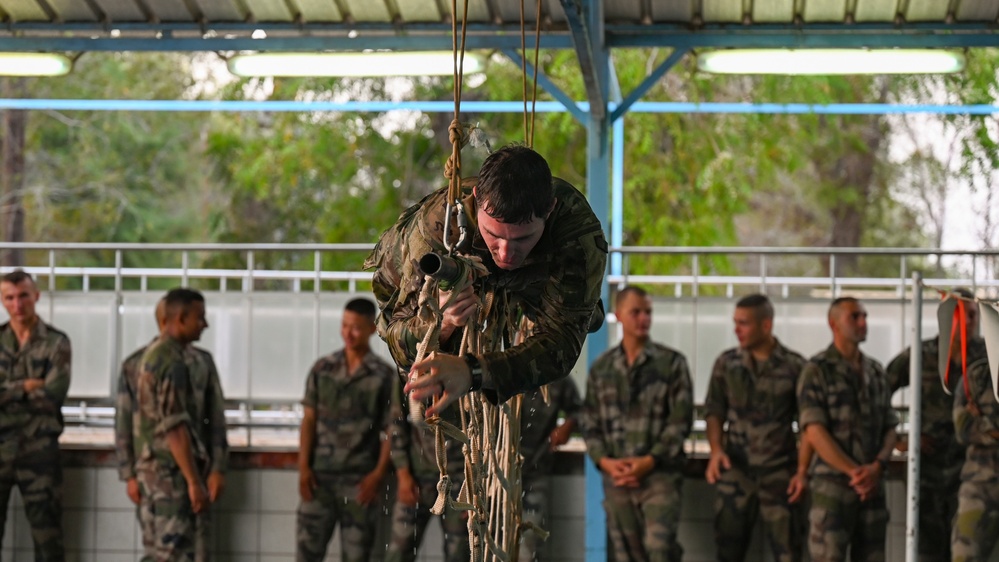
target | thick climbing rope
[{"x": 490, "y": 434}]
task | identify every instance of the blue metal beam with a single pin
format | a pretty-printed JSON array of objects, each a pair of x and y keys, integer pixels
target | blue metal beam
[
  {"x": 490, "y": 107},
  {"x": 651, "y": 80},
  {"x": 416, "y": 42},
  {"x": 548, "y": 85},
  {"x": 586, "y": 21}
]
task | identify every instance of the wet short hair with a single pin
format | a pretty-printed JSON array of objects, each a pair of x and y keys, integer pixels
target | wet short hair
[
  {"x": 515, "y": 185},
  {"x": 761, "y": 306},
  {"x": 362, "y": 306},
  {"x": 17, "y": 276},
  {"x": 179, "y": 300},
  {"x": 629, "y": 290}
]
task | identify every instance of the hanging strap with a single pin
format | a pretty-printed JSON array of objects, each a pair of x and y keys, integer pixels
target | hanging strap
[{"x": 960, "y": 317}]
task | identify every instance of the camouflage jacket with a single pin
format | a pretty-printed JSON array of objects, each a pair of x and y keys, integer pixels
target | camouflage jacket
[
  {"x": 974, "y": 428},
  {"x": 644, "y": 409},
  {"x": 854, "y": 407},
  {"x": 938, "y": 406},
  {"x": 760, "y": 403},
  {"x": 45, "y": 356},
  {"x": 165, "y": 401},
  {"x": 557, "y": 287},
  {"x": 207, "y": 410},
  {"x": 414, "y": 446},
  {"x": 539, "y": 418},
  {"x": 352, "y": 411}
]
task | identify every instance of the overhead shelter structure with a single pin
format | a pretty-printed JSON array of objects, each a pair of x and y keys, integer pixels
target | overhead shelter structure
[{"x": 593, "y": 29}]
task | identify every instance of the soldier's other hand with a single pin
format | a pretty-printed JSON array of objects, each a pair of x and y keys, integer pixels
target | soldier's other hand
[
  {"x": 367, "y": 490},
  {"x": 446, "y": 377},
  {"x": 132, "y": 489},
  {"x": 559, "y": 436},
  {"x": 216, "y": 483},
  {"x": 718, "y": 462},
  {"x": 640, "y": 467},
  {"x": 408, "y": 492},
  {"x": 198, "y": 495},
  {"x": 615, "y": 468},
  {"x": 864, "y": 479},
  {"x": 796, "y": 487},
  {"x": 456, "y": 314},
  {"x": 306, "y": 484},
  {"x": 33, "y": 384}
]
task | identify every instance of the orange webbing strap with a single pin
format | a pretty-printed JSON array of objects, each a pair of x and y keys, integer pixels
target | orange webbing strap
[{"x": 960, "y": 317}]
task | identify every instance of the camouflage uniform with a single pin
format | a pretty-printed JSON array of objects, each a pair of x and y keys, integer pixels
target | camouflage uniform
[
  {"x": 352, "y": 410},
  {"x": 165, "y": 401},
  {"x": 940, "y": 467},
  {"x": 759, "y": 403},
  {"x": 538, "y": 419},
  {"x": 644, "y": 409},
  {"x": 557, "y": 287},
  {"x": 976, "y": 421},
  {"x": 207, "y": 407},
  {"x": 413, "y": 448},
  {"x": 30, "y": 425},
  {"x": 856, "y": 409}
]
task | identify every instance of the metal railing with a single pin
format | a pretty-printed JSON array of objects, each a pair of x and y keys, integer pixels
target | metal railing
[{"x": 698, "y": 303}]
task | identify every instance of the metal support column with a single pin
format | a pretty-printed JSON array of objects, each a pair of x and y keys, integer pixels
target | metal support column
[{"x": 915, "y": 422}]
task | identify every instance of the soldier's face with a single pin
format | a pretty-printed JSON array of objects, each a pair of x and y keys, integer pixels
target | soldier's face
[
  {"x": 19, "y": 299},
  {"x": 193, "y": 322},
  {"x": 509, "y": 244},
  {"x": 850, "y": 322},
  {"x": 749, "y": 330},
  {"x": 356, "y": 330},
  {"x": 634, "y": 313}
]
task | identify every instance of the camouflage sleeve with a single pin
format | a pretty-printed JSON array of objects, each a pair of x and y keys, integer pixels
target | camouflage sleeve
[
  {"x": 898, "y": 371},
  {"x": 811, "y": 397},
  {"x": 400, "y": 426},
  {"x": 570, "y": 403},
  {"x": 50, "y": 397},
  {"x": 218, "y": 428},
  {"x": 123, "y": 427},
  {"x": 593, "y": 432},
  {"x": 716, "y": 401},
  {"x": 311, "y": 398},
  {"x": 891, "y": 416},
  {"x": 169, "y": 401},
  {"x": 669, "y": 447},
  {"x": 971, "y": 426},
  {"x": 11, "y": 391}
]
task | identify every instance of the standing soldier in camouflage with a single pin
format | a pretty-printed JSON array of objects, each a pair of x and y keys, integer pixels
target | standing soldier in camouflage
[
  {"x": 414, "y": 455},
  {"x": 342, "y": 457},
  {"x": 941, "y": 457},
  {"x": 754, "y": 464},
  {"x": 34, "y": 380},
  {"x": 637, "y": 412},
  {"x": 845, "y": 410},
  {"x": 171, "y": 460},
  {"x": 546, "y": 254},
  {"x": 208, "y": 412},
  {"x": 976, "y": 420},
  {"x": 540, "y": 435}
]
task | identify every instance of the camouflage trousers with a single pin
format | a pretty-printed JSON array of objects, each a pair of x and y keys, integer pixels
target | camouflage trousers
[
  {"x": 741, "y": 498},
  {"x": 335, "y": 502},
  {"x": 976, "y": 526},
  {"x": 642, "y": 522},
  {"x": 33, "y": 465},
  {"x": 838, "y": 521},
  {"x": 147, "y": 524},
  {"x": 409, "y": 523},
  {"x": 170, "y": 529},
  {"x": 938, "y": 490},
  {"x": 535, "y": 504}
]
